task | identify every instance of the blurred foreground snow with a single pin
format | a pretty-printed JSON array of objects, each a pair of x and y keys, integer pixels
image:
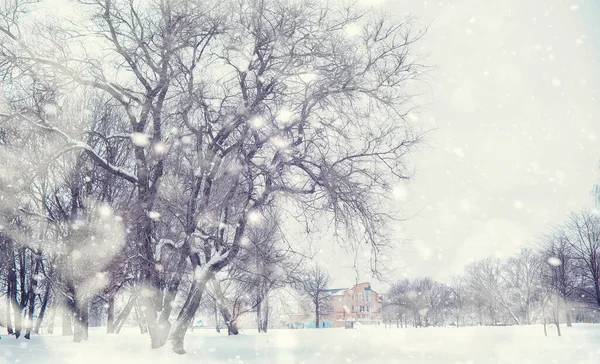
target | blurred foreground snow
[{"x": 513, "y": 344}]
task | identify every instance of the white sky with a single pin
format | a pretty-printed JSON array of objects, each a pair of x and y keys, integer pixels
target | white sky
[{"x": 514, "y": 101}]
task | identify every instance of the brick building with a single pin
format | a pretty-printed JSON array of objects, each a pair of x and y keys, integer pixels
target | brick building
[{"x": 359, "y": 303}]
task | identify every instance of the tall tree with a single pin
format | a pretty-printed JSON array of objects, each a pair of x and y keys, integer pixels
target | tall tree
[{"x": 211, "y": 113}]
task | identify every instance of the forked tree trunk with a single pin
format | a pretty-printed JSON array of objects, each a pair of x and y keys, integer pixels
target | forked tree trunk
[
  {"x": 187, "y": 314},
  {"x": 142, "y": 325},
  {"x": 230, "y": 320},
  {"x": 124, "y": 314}
]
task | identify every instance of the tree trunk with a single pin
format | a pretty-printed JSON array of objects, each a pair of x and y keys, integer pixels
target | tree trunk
[
  {"x": 187, "y": 313},
  {"x": 152, "y": 299},
  {"x": 545, "y": 331},
  {"x": 67, "y": 322},
  {"x": 33, "y": 284},
  {"x": 556, "y": 312},
  {"x": 164, "y": 325},
  {"x": 110, "y": 314},
  {"x": 43, "y": 307},
  {"x": 230, "y": 321},
  {"x": 12, "y": 283},
  {"x": 124, "y": 314},
  {"x": 262, "y": 314},
  {"x": 142, "y": 324},
  {"x": 81, "y": 319},
  {"x": 266, "y": 309},
  {"x": 258, "y": 317},
  {"x": 29, "y": 323},
  {"x": 51, "y": 321},
  {"x": 317, "y": 316},
  {"x": 217, "y": 323},
  {"x": 9, "y": 327},
  {"x": 567, "y": 312}
]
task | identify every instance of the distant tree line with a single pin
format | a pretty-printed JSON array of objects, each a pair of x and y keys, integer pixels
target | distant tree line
[{"x": 557, "y": 280}]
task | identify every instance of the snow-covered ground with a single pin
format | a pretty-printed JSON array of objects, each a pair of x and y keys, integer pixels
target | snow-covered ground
[{"x": 578, "y": 345}]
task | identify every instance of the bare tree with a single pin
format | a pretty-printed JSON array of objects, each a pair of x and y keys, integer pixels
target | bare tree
[
  {"x": 558, "y": 252},
  {"x": 522, "y": 282},
  {"x": 485, "y": 277},
  {"x": 458, "y": 298},
  {"x": 397, "y": 303},
  {"x": 583, "y": 236},
  {"x": 206, "y": 115},
  {"x": 314, "y": 284}
]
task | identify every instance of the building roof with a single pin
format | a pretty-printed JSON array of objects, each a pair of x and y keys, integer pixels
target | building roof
[{"x": 335, "y": 291}]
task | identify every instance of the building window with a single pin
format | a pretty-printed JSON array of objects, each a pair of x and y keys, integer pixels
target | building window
[{"x": 353, "y": 308}]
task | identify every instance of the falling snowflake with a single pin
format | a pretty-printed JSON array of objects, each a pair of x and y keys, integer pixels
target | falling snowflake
[
  {"x": 399, "y": 193},
  {"x": 159, "y": 148},
  {"x": 280, "y": 143},
  {"x": 284, "y": 116},
  {"x": 140, "y": 139},
  {"x": 105, "y": 211},
  {"x": 554, "y": 261},
  {"x": 308, "y": 77},
  {"x": 254, "y": 217},
  {"x": 353, "y": 30},
  {"x": 459, "y": 152},
  {"x": 154, "y": 215},
  {"x": 257, "y": 122},
  {"x": 51, "y": 110}
]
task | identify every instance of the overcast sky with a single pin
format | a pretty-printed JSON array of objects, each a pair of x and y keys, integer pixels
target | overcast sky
[{"x": 514, "y": 100}]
